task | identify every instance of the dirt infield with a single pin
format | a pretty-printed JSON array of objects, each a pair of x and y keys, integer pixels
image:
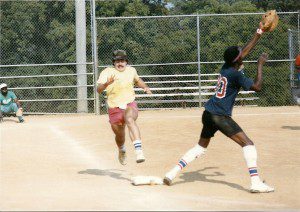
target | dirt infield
[{"x": 70, "y": 163}]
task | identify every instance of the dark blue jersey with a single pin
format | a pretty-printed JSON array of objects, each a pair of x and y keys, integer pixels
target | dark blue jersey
[{"x": 229, "y": 83}]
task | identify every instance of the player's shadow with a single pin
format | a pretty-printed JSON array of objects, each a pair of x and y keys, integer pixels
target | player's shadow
[
  {"x": 199, "y": 176},
  {"x": 9, "y": 120},
  {"x": 106, "y": 172},
  {"x": 291, "y": 127}
]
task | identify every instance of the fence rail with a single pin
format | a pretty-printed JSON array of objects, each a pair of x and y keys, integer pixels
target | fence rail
[{"x": 178, "y": 56}]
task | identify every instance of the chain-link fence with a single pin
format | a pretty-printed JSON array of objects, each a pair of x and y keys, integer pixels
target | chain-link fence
[
  {"x": 38, "y": 56},
  {"x": 294, "y": 47},
  {"x": 178, "y": 56}
]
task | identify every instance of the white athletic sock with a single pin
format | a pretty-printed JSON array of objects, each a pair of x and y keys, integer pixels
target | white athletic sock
[
  {"x": 137, "y": 145},
  {"x": 189, "y": 156},
  {"x": 122, "y": 148},
  {"x": 250, "y": 155}
]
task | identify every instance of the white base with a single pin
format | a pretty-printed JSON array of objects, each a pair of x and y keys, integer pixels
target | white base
[{"x": 146, "y": 180}]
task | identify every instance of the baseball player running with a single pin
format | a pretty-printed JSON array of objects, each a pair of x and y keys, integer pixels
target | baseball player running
[
  {"x": 218, "y": 111},
  {"x": 119, "y": 81}
]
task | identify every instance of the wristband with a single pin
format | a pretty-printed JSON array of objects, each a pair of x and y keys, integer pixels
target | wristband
[{"x": 259, "y": 31}]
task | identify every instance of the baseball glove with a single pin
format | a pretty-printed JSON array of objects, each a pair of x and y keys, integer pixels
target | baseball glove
[{"x": 269, "y": 21}]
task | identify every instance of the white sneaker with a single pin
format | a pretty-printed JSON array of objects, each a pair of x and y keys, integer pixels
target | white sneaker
[
  {"x": 122, "y": 157},
  {"x": 139, "y": 156},
  {"x": 169, "y": 177},
  {"x": 261, "y": 188}
]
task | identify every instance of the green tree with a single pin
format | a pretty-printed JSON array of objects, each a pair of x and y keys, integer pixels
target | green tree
[
  {"x": 279, "y": 5},
  {"x": 131, "y": 8},
  {"x": 192, "y": 6},
  {"x": 44, "y": 32}
]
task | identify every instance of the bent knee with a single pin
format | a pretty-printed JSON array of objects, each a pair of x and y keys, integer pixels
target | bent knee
[
  {"x": 129, "y": 120},
  {"x": 242, "y": 139},
  {"x": 15, "y": 107}
]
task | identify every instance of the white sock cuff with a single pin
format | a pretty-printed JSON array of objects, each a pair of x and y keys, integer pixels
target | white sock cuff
[
  {"x": 199, "y": 149},
  {"x": 137, "y": 141},
  {"x": 137, "y": 145},
  {"x": 122, "y": 148},
  {"x": 249, "y": 150}
]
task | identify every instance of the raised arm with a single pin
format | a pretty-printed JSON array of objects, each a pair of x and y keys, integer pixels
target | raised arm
[
  {"x": 249, "y": 46},
  {"x": 258, "y": 79}
]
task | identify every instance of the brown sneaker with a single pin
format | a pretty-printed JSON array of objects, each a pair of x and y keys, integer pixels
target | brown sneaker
[
  {"x": 122, "y": 158},
  {"x": 167, "y": 181}
]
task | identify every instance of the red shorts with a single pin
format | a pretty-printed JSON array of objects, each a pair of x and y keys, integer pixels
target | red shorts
[{"x": 116, "y": 115}]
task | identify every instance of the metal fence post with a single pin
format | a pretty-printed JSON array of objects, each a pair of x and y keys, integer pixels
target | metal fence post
[
  {"x": 298, "y": 21},
  {"x": 95, "y": 55},
  {"x": 198, "y": 56},
  {"x": 291, "y": 49},
  {"x": 298, "y": 31},
  {"x": 82, "y": 103}
]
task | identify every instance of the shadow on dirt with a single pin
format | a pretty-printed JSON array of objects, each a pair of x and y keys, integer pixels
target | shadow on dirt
[
  {"x": 9, "y": 120},
  {"x": 106, "y": 172},
  {"x": 291, "y": 127},
  {"x": 199, "y": 176}
]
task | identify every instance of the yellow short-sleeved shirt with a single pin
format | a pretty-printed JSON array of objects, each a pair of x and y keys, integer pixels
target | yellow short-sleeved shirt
[{"x": 121, "y": 91}]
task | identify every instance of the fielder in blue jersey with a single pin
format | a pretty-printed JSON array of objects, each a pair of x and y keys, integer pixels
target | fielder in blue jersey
[
  {"x": 9, "y": 103},
  {"x": 218, "y": 111}
]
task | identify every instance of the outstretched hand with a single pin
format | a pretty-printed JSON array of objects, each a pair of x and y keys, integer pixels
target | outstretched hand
[
  {"x": 110, "y": 80},
  {"x": 263, "y": 58},
  {"x": 147, "y": 90}
]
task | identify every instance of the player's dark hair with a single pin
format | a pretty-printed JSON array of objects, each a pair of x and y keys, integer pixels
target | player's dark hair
[{"x": 230, "y": 55}]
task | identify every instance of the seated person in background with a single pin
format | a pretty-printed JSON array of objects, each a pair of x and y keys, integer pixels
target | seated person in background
[{"x": 9, "y": 103}]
